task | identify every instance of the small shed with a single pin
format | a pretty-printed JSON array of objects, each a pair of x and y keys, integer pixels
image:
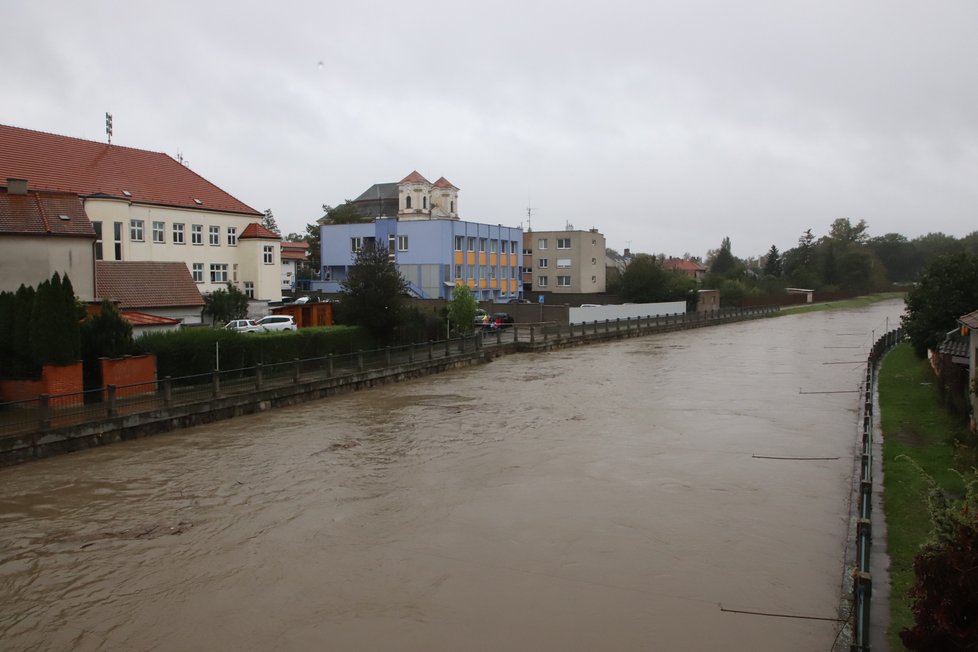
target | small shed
[{"x": 307, "y": 315}]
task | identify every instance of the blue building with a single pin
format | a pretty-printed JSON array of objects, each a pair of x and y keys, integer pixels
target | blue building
[{"x": 434, "y": 250}]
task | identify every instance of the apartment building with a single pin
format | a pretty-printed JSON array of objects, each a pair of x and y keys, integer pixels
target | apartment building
[{"x": 571, "y": 262}]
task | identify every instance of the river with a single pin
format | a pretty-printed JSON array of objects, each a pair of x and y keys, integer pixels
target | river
[{"x": 610, "y": 497}]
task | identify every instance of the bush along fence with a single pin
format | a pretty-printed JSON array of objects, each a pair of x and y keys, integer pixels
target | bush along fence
[
  {"x": 54, "y": 423},
  {"x": 862, "y": 580}
]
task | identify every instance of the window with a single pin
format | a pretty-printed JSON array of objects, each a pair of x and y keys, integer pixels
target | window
[
  {"x": 117, "y": 234},
  {"x": 196, "y": 234},
  {"x": 356, "y": 244},
  {"x": 563, "y": 263},
  {"x": 563, "y": 281},
  {"x": 136, "y": 230},
  {"x": 219, "y": 273},
  {"x": 458, "y": 271},
  {"x": 493, "y": 246},
  {"x": 594, "y": 261},
  {"x": 594, "y": 279},
  {"x": 424, "y": 203},
  {"x": 542, "y": 281},
  {"x": 232, "y": 236},
  {"x": 98, "y": 240},
  {"x": 214, "y": 235},
  {"x": 492, "y": 273},
  {"x": 542, "y": 243},
  {"x": 197, "y": 269},
  {"x": 402, "y": 243},
  {"x": 407, "y": 201},
  {"x": 178, "y": 234},
  {"x": 505, "y": 245},
  {"x": 542, "y": 263},
  {"x": 482, "y": 245},
  {"x": 268, "y": 254},
  {"x": 513, "y": 246},
  {"x": 563, "y": 243},
  {"x": 459, "y": 242},
  {"x": 159, "y": 232},
  {"x": 471, "y": 244},
  {"x": 250, "y": 289},
  {"x": 234, "y": 273},
  {"x": 452, "y": 206}
]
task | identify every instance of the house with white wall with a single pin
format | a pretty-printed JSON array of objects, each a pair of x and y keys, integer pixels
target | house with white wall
[{"x": 145, "y": 206}]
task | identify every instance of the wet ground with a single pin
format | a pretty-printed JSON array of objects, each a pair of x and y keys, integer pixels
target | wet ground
[{"x": 625, "y": 496}]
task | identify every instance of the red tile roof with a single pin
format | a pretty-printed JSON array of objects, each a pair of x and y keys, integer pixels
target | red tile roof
[
  {"x": 970, "y": 320},
  {"x": 444, "y": 183},
  {"x": 44, "y": 213},
  {"x": 255, "y": 230},
  {"x": 295, "y": 250},
  {"x": 414, "y": 177},
  {"x": 137, "y": 284},
  {"x": 87, "y": 168},
  {"x": 681, "y": 265},
  {"x": 146, "y": 319}
]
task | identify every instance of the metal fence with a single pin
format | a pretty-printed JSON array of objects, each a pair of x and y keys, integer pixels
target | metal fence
[
  {"x": 49, "y": 412},
  {"x": 862, "y": 584}
]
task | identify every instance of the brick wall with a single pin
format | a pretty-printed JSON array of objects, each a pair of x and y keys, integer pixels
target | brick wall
[
  {"x": 139, "y": 370},
  {"x": 55, "y": 379}
]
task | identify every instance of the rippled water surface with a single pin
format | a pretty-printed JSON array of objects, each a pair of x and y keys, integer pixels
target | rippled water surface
[{"x": 607, "y": 497}]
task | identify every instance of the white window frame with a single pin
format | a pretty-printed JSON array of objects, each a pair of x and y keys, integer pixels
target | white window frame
[
  {"x": 179, "y": 233},
  {"x": 459, "y": 242},
  {"x": 214, "y": 235},
  {"x": 136, "y": 230},
  {"x": 197, "y": 234},
  {"x": 219, "y": 272},
  {"x": 197, "y": 270},
  {"x": 563, "y": 243},
  {"x": 543, "y": 263},
  {"x": 232, "y": 236},
  {"x": 356, "y": 244},
  {"x": 563, "y": 281},
  {"x": 542, "y": 281},
  {"x": 159, "y": 232},
  {"x": 402, "y": 243},
  {"x": 249, "y": 289},
  {"x": 563, "y": 263},
  {"x": 542, "y": 243},
  {"x": 268, "y": 254}
]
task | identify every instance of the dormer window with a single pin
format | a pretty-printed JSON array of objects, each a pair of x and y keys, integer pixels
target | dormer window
[{"x": 407, "y": 201}]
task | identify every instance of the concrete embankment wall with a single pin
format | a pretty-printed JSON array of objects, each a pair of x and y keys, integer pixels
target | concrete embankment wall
[{"x": 133, "y": 423}]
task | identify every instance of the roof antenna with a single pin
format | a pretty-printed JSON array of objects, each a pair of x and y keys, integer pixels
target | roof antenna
[
  {"x": 529, "y": 216},
  {"x": 108, "y": 126}
]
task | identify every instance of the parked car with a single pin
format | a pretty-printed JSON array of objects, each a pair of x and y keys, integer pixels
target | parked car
[
  {"x": 244, "y": 326},
  {"x": 502, "y": 320},
  {"x": 519, "y": 301},
  {"x": 481, "y": 318},
  {"x": 277, "y": 323}
]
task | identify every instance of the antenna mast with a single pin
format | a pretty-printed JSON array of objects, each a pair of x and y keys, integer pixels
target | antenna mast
[
  {"x": 529, "y": 216},
  {"x": 108, "y": 126}
]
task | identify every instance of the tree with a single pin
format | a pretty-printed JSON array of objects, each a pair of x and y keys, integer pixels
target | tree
[
  {"x": 23, "y": 364},
  {"x": 946, "y": 290},
  {"x": 799, "y": 264},
  {"x": 345, "y": 213},
  {"x": 54, "y": 330},
  {"x": 899, "y": 257},
  {"x": 268, "y": 221},
  {"x": 461, "y": 309},
  {"x": 645, "y": 281},
  {"x": 724, "y": 264},
  {"x": 772, "y": 263},
  {"x": 373, "y": 294},
  {"x": 945, "y": 594},
  {"x": 226, "y": 305},
  {"x": 843, "y": 231}
]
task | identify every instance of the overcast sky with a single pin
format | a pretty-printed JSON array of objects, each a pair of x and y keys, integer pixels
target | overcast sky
[{"x": 665, "y": 125}]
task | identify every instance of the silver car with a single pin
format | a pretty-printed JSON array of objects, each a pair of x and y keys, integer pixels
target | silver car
[
  {"x": 244, "y": 326},
  {"x": 277, "y": 323}
]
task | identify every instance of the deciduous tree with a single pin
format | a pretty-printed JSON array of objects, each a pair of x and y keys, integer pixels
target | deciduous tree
[
  {"x": 461, "y": 309},
  {"x": 373, "y": 294},
  {"x": 946, "y": 290}
]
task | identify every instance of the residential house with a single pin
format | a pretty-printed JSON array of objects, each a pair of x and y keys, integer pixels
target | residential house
[
  {"x": 689, "y": 268},
  {"x": 564, "y": 262},
  {"x": 969, "y": 329},
  {"x": 43, "y": 232},
  {"x": 161, "y": 289},
  {"x": 433, "y": 248},
  {"x": 141, "y": 206},
  {"x": 294, "y": 256}
]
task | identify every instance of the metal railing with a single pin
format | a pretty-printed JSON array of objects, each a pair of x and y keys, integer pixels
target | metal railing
[
  {"x": 862, "y": 579},
  {"x": 29, "y": 419}
]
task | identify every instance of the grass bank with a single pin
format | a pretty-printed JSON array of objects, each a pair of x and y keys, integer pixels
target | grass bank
[
  {"x": 916, "y": 426},
  {"x": 846, "y": 304}
]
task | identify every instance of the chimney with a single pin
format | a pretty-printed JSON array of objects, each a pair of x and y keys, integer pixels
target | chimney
[
  {"x": 16, "y": 186},
  {"x": 627, "y": 253}
]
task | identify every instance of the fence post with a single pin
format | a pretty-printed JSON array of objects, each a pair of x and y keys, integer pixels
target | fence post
[
  {"x": 618, "y": 325},
  {"x": 216, "y": 382},
  {"x": 359, "y": 359},
  {"x": 295, "y": 371},
  {"x": 461, "y": 345},
  {"x": 329, "y": 365},
  {"x": 448, "y": 346},
  {"x": 111, "y": 401},
  {"x": 499, "y": 336},
  {"x": 167, "y": 391},
  {"x": 387, "y": 356},
  {"x": 44, "y": 411},
  {"x": 431, "y": 350},
  {"x": 532, "y": 333},
  {"x": 259, "y": 373}
]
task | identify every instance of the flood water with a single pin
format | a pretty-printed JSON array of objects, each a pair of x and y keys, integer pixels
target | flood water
[{"x": 600, "y": 498}]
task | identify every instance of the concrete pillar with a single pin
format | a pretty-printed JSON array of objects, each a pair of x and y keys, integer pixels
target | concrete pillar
[{"x": 167, "y": 391}]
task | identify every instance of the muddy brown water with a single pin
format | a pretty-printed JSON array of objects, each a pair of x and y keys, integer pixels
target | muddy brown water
[{"x": 599, "y": 498}]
